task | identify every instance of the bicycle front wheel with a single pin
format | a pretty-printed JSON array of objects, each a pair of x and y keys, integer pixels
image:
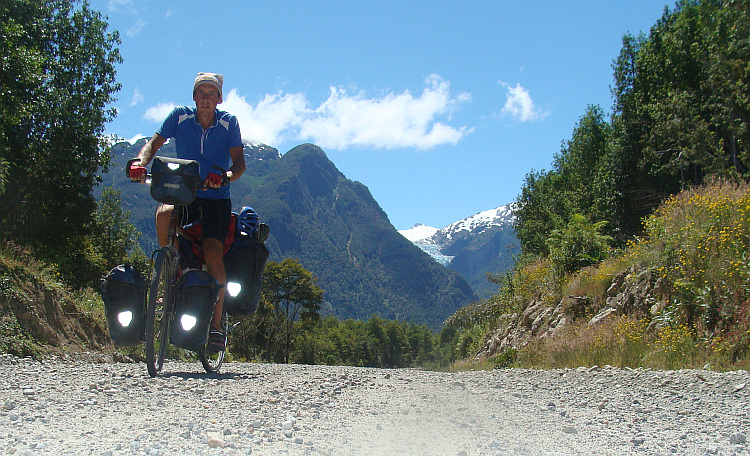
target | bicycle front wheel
[{"x": 158, "y": 311}]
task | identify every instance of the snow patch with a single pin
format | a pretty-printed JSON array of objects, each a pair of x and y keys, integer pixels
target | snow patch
[{"x": 418, "y": 232}]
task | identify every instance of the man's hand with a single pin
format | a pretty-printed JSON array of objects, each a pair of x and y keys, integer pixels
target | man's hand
[
  {"x": 214, "y": 180},
  {"x": 136, "y": 171}
]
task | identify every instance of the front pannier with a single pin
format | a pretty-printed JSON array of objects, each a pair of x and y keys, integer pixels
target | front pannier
[
  {"x": 244, "y": 265},
  {"x": 124, "y": 295},
  {"x": 174, "y": 181},
  {"x": 196, "y": 299}
]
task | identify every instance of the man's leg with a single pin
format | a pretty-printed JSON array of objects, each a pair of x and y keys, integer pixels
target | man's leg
[
  {"x": 163, "y": 215},
  {"x": 213, "y": 253}
]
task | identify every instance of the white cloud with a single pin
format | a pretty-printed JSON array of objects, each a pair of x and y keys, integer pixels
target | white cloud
[
  {"x": 272, "y": 120},
  {"x": 119, "y": 5},
  {"x": 396, "y": 120},
  {"x": 136, "y": 27},
  {"x": 159, "y": 112},
  {"x": 137, "y": 98},
  {"x": 135, "y": 138},
  {"x": 519, "y": 105}
]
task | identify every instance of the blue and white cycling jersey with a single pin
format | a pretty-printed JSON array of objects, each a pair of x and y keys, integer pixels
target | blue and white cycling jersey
[{"x": 210, "y": 147}]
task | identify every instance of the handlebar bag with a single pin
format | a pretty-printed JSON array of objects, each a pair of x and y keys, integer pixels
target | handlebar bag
[
  {"x": 124, "y": 294},
  {"x": 196, "y": 298},
  {"x": 244, "y": 263},
  {"x": 174, "y": 181}
]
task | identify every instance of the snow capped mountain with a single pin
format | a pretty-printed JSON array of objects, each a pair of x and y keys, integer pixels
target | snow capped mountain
[{"x": 482, "y": 243}]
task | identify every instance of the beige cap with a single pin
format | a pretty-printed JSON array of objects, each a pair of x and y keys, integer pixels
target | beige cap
[{"x": 214, "y": 79}]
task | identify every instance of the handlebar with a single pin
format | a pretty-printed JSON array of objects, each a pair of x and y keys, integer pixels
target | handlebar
[{"x": 147, "y": 177}]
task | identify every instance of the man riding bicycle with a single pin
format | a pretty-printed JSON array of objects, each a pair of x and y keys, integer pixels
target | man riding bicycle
[{"x": 211, "y": 137}]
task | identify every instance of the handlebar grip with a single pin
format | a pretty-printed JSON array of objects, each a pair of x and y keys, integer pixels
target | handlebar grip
[
  {"x": 224, "y": 177},
  {"x": 127, "y": 166}
]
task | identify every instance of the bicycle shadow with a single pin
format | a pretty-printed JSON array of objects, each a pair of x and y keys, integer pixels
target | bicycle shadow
[{"x": 213, "y": 376}]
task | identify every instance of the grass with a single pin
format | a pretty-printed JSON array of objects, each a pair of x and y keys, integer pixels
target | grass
[{"x": 696, "y": 245}]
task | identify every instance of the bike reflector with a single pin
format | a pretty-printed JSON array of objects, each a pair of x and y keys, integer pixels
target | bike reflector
[{"x": 174, "y": 181}]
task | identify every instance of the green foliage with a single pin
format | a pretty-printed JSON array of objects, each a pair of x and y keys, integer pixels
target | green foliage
[
  {"x": 287, "y": 328},
  {"x": 57, "y": 77},
  {"x": 703, "y": 239},
  {"x": 681, "y": 104},
  {"x": 15, "y": 340},
  {"x": 577, "y": 184},
  {"x": 293, "y": 294},
  {"x": 577, "y": 245},
  {"x": 372, "y": 343},
  {"x": 505, "y": 359}
]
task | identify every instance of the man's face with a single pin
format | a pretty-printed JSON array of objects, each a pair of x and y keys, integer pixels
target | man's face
[{"x": 206, "y": 98}]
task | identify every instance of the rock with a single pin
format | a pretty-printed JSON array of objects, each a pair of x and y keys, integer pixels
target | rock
[
  {"x": 215, "y": 441},
  {"x": 737, "y": 438},
  {"x": 602, "y": 315}
]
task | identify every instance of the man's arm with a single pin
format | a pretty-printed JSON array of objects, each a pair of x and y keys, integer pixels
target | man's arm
[
  {"x": 149, "y": 149},
  {"x": 238, "y": 163}
]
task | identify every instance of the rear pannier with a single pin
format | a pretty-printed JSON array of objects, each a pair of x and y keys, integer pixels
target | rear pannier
[
  {"x": 196, "y": 299},
  {"x": 174, "y": 181},
  {"x": 124, "y": 295},
  {"x": 244, "y": 264}
]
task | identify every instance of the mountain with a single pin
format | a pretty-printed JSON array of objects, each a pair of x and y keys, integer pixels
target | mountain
[
  {"x": 333, "y": 226},
  {"x": 475, "y": 246}
]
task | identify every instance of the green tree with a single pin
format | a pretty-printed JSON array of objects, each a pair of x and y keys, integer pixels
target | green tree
[
  {"x": 57, "y": 77},
  {"x": 115, "y": 234},
  {"x": 293, "y": 293}
]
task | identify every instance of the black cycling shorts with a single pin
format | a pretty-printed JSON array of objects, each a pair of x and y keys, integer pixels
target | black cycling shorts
[{"x": 215, "y": 216}]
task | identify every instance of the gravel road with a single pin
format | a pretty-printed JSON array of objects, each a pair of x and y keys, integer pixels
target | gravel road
[{"x": 86, "y": 406}]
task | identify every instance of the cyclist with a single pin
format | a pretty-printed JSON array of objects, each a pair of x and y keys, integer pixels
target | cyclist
[{"x": 212, "y": 137}]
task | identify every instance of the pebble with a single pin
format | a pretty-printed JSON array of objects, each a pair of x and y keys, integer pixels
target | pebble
[{"x": 70, "y": 405}]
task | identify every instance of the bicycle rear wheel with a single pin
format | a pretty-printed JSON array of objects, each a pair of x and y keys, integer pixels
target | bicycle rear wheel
[
  {"x": 212, "y": 361},
  {"x": 158, "y": 311}
]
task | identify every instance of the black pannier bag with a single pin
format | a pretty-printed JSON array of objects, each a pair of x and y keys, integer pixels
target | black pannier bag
[
  {"x": 124, "y": 295},
  {"x": 196, "y": 298},
  {"x": 244, "y": 264},
  {"x": 174, "y": 181}
]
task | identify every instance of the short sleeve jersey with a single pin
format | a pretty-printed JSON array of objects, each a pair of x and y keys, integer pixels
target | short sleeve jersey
[{"x": 210, "y": 147}]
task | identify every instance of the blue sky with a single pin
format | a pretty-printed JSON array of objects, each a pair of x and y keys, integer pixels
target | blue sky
[{"x": 440, "y": 108}]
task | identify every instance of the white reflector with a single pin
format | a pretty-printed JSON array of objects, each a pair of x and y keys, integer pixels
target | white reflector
[
  {"x": 125, "y": 318},
  {"x": 188, "y": 322},
  {"x": 233, "y": 288},
  {"x": 173, "y": 166}
]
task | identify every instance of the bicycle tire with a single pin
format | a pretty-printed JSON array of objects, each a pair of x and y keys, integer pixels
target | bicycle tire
[
  {"x": 212, "y": 361},
  {"x": 158, "y": 321}
]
